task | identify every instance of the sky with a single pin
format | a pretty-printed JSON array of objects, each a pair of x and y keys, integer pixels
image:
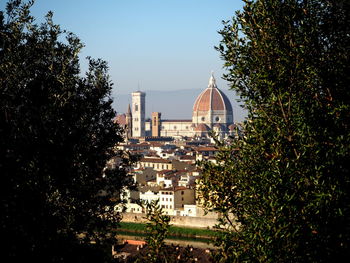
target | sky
[{"x": 163, "y": 45}]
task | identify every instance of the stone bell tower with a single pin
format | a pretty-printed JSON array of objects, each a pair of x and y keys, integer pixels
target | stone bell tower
[
  {"x": 138, "y": 114},
  {"x": 128, "y": 120}
]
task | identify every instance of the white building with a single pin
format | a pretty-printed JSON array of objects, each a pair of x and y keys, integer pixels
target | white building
[
  {"x": 149, "y": 195},
  {"x": 138, "y": 114}
]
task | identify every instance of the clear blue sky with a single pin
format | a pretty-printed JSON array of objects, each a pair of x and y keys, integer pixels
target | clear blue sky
[{"x": 150, "y": 44}]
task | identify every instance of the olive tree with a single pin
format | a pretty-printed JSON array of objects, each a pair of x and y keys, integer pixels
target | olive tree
[
  {"x": 56, "y": 136},
  {"x": 283, "y": 187}
]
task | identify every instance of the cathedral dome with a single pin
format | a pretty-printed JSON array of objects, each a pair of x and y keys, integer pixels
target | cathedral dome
[
  {"x": 212, "y": 99},
  {"x": 212, "y": 106}
]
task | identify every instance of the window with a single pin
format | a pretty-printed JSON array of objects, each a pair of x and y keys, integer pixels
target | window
[
  {"x": 166, "y": 199},
  {"x": 217, "y": 118},
  {"x": 182, "y": 192},
  {"x": 136, "y": 107},
  {"x": 203, "y": 118},
  {"x": 175, "y": 127}
]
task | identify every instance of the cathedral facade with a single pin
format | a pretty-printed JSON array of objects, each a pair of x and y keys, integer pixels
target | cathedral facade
[{"x": 212, "y": 111}]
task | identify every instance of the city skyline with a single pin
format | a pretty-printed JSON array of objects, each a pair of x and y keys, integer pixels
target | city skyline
[{"x": 166, "y": 102}]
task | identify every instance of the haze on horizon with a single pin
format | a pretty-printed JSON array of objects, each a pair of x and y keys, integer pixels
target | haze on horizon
[{"x": 149, "y": 45}]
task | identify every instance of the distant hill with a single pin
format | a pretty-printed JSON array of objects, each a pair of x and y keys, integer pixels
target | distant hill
[{"x": 176, "y": 104}]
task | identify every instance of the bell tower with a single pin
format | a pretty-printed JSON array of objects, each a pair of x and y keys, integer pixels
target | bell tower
[
  {"x": 138, "y": 114},
  {"x": 128, "y": 120},
  {"x": 156, "y": 124}
]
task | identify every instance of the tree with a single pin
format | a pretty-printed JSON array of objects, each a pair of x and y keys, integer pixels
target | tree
[
  {"x": 283, "y": 188},
  {"x": 56, "y": 135},
  {"x": 157, "y": 230}
]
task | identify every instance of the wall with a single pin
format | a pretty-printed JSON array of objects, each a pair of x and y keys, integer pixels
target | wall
[
  {"x": 176, "y": 127},
  {"x": 158, "y": 165},
  {"x": 185, "y": 221},
  {"x": 184, "y": 196}
]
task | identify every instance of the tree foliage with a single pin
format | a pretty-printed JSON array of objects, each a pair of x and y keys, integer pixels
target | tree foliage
[
  {"x": 286, "y": 181},
  {"x": 56, "y": 135},
  {"x": 157, "y": 230}
]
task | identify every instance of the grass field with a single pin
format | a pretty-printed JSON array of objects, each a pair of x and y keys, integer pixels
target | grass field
[{"x": 173, "y": 230}]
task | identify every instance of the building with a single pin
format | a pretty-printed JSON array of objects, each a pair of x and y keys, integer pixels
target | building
[
  {"x": 173, "y": 199},
  {"x": 212, "y": 108},
  {"x": 128, "y": 123},
  {"x": 138, "y": 114},
  {"x": 157, "y": 164},
  {"x": 156, "y": 116},
  {"x": 212, "y": 111}
]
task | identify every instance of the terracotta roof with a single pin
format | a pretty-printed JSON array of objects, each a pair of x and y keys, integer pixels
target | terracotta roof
[
  {"x": 156, "y": 144},
  {"x": 154, "y": 160},
  {"x": 168, "y": 189},
  {"x": 139, "y": 169},
  {"x": 207, "y": 148},
  {"x": 178, "y": 188},
  {"x": 202, "y": 128},
  {"x": 120, "y": 119},
  {"x": 212, "y": 99}
]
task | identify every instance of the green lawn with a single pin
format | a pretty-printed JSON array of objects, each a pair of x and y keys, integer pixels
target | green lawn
[{"x": 173, "y": 231}]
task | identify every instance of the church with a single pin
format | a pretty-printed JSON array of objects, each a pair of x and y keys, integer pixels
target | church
[{"x": 212, "y": 111}]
